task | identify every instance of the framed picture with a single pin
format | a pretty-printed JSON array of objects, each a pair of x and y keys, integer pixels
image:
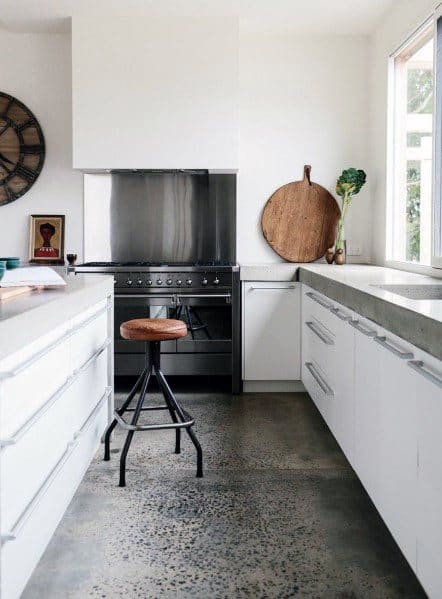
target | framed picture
[{"x": 46, "y": 239}]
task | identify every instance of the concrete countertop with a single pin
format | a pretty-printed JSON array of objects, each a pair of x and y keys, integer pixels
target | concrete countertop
[
  {"x": 417, "y": 321},
  {"x": 278, "y": 271},
  {"x": 25, "y": 318}
]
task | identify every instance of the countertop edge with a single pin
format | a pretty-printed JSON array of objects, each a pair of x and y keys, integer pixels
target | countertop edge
[
  {"x": 418, "y": 329},
  {"x": 27, "y": 326}
]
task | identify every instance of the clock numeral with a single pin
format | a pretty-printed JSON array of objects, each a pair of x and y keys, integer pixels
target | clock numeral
[
  {"x": 25, "y": 125},
  {"x": 25, "y": 173},
  {"x": 4, "y": 128},
  {"x": 8, "y": 106},
  {"x": 11, "y": 194},
  {"x": 31, "y": 149}
]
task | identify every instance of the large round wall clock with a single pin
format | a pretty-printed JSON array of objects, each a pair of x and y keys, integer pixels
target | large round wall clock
[{"x": 22, "y": 149}]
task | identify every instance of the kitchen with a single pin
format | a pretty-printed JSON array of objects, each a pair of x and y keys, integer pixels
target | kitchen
[{"x": 333, "y": 492}]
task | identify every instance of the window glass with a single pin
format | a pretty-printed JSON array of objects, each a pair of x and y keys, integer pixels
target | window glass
[{"x": 413, "y": 151}]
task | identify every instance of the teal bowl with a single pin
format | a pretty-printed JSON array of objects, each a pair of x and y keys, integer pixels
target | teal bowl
[
  {"x": 2, "y": 268},
  {"x": 11, "y": 262}
]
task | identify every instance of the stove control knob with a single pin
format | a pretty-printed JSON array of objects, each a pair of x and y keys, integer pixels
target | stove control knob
[
  {"x": 189, "y": 282},
  {"x": 129, "y": 282},
  {"x": 169, "y": 282},
  {"x": 179, "y": 282},
  {"x": 149, "y": 282},
  {"x": 216, "y": 281},
  {"x": 159, "y": 282},
  {"x": 139, "y": 282},
  {"x": 204, "y": 281}
]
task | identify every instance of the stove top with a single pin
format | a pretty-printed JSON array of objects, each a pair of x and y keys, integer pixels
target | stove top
[{"x": 147, "y": 264}]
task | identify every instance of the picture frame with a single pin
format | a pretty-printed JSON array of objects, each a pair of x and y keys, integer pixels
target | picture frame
[{"x": 46, "y": 238}]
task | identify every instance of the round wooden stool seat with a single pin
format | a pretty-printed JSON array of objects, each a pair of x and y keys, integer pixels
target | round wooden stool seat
[{"x": 153, "y": 329}]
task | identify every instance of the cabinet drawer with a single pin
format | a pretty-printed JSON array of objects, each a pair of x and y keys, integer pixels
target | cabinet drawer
[
  {"x": 25, "y": 464},
  {"x": 328, "y": 312},
  {"x": 90, "y": 332},
  {"x": 319, "y": 343},
  {"x": 30, "y": 377},
  {"x": 27, "y": 541},
  {"x": 316, "y": 383},
  {"x": 86, "y": 391},
  {"x": 271, "y": 331}
]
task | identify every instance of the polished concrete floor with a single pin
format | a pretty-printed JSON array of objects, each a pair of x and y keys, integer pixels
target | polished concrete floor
[{"x": 279, "y": 513}]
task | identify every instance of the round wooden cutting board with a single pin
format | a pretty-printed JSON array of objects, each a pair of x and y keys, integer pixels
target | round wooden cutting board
[{"x": 300, "y": 220}]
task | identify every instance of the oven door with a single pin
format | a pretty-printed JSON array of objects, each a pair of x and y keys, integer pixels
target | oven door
[
  {"x": 129, "y": 307},
  {"x": 209, "y": 323}
]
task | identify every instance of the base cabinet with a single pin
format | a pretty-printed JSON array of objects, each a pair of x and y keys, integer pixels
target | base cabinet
[
  {"x": 386, "y": 430},
  {"x": 271, "y": 331},
  {"x": 327, "y": 364},
  {"x": 429, "y": 483},
  {"x": 389, "y": 402},
  {"x": 46, "y": 448}
]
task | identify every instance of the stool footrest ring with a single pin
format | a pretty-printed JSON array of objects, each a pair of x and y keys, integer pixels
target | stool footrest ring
[{"x": 153, "y": 427}]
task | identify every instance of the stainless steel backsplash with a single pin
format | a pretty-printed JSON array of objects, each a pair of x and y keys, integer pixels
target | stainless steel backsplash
[{"x": 171, "y": 216}]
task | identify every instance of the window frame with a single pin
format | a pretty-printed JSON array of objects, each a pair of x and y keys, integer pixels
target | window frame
[
  {"x": 434, "y": 22},
  {"x": 436, "y": 242}
]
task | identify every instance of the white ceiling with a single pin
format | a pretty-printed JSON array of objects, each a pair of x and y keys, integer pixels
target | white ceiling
[{"x": 303, "y": 16}]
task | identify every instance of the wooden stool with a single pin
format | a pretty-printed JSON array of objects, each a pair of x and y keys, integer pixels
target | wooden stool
[{"x": 153, "y": 331}]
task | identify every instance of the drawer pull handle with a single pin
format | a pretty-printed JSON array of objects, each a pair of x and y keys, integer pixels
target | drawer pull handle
[
  {"x": 404, "y": 355},
  {"x": 29, "y": 509},
  {"x": 94, "y": 316},
  {"x": 92, "y": 358},
  {"x": 318, "y": 378},
  {"x": 367, "y": 332},
  {"x": 37, "y": 415},
  {"x": 340, "y": 314},
  {"x": 319, "y": 300},
  {"x": 419, "y": 367},
  {"x": 317, "y": 331},
  {"x": 53, "y": 399},
  {"x": 11, "y": 373},
  {"x": 288, "y": 288}
]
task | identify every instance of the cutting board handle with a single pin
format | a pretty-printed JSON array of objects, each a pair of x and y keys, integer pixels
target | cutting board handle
[{"x": 307, "y": 171}]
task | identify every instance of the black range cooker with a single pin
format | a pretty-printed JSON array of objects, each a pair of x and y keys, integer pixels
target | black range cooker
[{"x": 206, "y": 296}]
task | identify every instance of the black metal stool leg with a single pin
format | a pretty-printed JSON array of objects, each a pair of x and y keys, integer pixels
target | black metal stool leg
[
  {"x": 168, "y": 392},
  {"x": 130, "y": 434},
  {"x": 190, "y": 326},
  {"x": 120, "y": 411},
  {"x": 156, "y": 356}
]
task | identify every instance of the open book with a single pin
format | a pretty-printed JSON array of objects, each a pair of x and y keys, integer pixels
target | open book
[{"x": 34, "y": 276}]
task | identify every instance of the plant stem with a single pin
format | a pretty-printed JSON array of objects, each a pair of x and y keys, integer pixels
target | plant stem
[{"x": 340, "y": 237}]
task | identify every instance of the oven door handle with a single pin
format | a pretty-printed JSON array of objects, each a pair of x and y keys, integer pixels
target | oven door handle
[
  {"x": 143, "y": 295},
  {"x": 226, "y": 296}
]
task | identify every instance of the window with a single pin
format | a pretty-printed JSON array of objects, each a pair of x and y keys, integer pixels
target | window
[{"x": 411, "y": 201}]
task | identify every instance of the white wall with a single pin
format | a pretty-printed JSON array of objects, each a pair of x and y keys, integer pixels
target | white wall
[
  {"x": 303, "y": 100},
  {"x": 36, "y": 68},
  {"x": 402, "y": 19}
]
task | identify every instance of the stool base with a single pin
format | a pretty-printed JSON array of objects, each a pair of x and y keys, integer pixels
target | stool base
[{"x": 180, "y": 418}]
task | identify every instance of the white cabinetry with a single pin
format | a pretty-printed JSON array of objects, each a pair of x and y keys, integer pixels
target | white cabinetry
[
  {"x": 271, "y": 331},
  {"x": 327, "y": 363},
  {"x": 428, "y": 390},
  {"x": 152, "y": 92},
  {"x": 385, "y": 430},
  {"x": 55, "y": 399},
  {"x": 382, "y": 399}
]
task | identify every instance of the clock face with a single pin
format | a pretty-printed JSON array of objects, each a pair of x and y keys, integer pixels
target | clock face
[{"x": 22, "y": 149}]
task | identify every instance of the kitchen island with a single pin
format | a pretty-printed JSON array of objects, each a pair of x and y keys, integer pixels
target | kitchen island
[{"x": 56, "y": 398}]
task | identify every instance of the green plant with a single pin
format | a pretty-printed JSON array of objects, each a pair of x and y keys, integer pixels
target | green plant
[{"x": 348, "y": 185}]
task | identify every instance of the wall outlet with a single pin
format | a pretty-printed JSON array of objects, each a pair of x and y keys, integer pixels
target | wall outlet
[{"x": 354, "y": 250}]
